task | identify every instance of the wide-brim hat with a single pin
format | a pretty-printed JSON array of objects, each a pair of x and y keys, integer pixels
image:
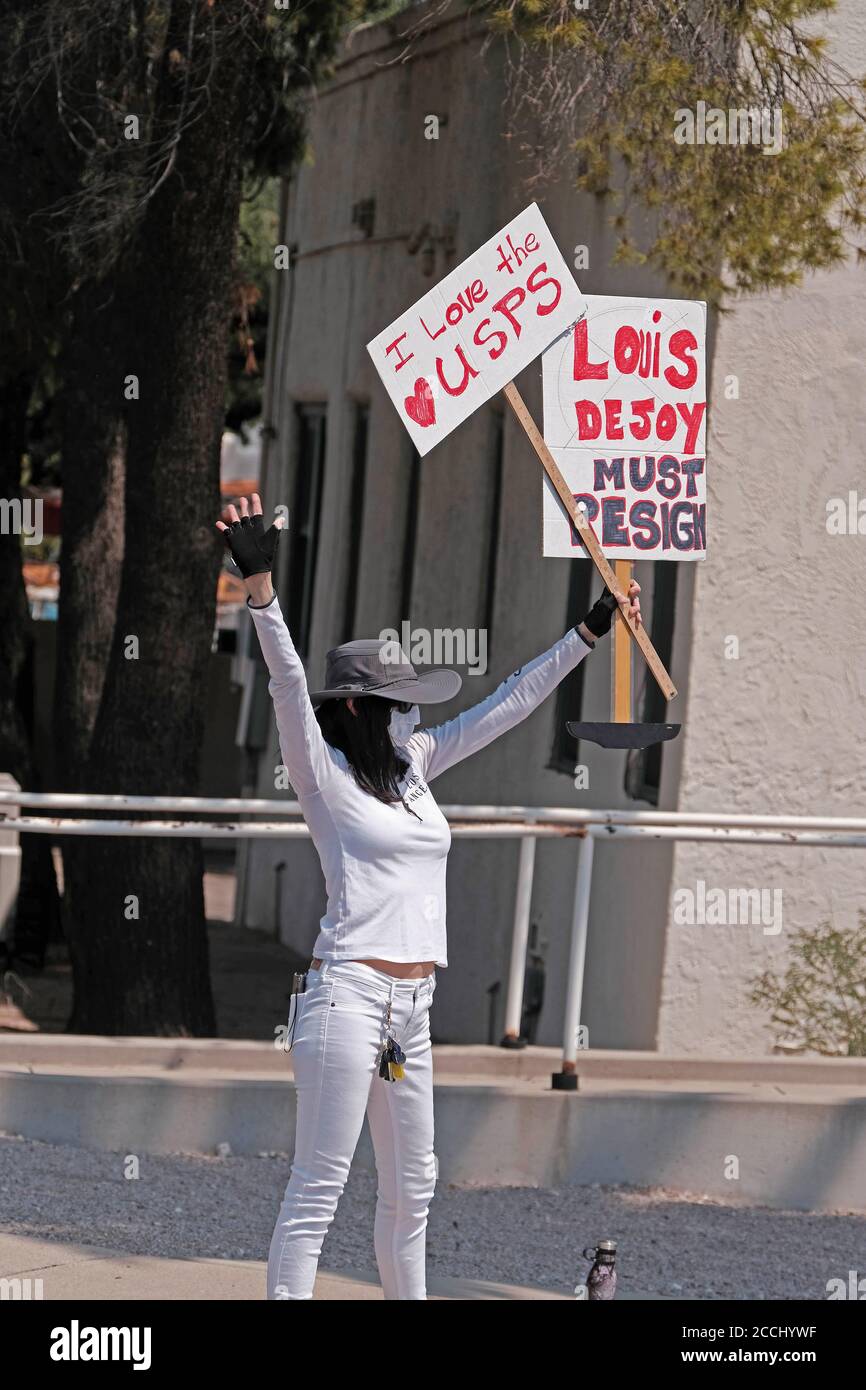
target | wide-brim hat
[{"x": 380, "y": 667}]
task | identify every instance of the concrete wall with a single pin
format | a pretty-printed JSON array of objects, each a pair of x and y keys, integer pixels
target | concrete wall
[
  {"x": 797, "y": 1127},
  {"x": 780, "y": 729}
]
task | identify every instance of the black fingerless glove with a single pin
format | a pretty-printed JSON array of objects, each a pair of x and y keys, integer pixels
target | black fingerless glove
[
  {"x": 600, "y": 616},
  {"x": 252, "y": 547}
]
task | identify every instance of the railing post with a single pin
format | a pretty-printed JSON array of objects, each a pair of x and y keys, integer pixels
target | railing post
[
  {"x": 519, "y": 940},
  {"x": 566, "y": 1080},
  {"x": 10, "y": 863}
]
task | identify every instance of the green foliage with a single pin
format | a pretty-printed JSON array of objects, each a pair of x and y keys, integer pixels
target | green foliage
[
  {"x": 605, "y": 84},
  {"x": 77, "y": 182},
  {"x": 75, "y": 73},
  {"x": 820, "y": 999}
]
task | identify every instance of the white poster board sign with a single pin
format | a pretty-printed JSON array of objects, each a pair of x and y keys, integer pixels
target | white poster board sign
[
  {"x": 476, "y": 329},
  {"x": 625, "y": 419}
]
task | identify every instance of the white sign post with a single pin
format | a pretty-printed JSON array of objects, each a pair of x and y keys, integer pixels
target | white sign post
[{"x": 470, "y": 336}]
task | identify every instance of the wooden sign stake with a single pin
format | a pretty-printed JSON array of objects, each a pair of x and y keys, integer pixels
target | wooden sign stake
[
  {"x": 588, "y": 538},
  {"x": 621, "y": 672}
]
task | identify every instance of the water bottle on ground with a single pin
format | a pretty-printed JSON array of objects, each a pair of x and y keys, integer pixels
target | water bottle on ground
[{"x": 601, "y": 1280}]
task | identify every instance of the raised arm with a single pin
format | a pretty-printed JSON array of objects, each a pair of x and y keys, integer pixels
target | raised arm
[
  {"x": 439, "y": 748},
  {"x": 305, "y": 753}
]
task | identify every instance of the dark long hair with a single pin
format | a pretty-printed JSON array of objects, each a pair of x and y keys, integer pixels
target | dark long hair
[{"x": 366, "y": 743}]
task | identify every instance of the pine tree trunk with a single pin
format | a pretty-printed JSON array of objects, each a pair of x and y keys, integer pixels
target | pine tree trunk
[
  {"x": 92, "y": 552},
  {"x": 90, "y": 560},
  {"x": 14, "y": 615},
  {"x": 136, "y": 920},
  {"x": 36, "y": 910}
]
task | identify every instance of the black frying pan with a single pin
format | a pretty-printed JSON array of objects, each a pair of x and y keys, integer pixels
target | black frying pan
[{"x": 624, "y": 735}]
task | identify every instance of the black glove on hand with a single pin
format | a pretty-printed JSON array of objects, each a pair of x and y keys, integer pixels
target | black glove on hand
[
  {"x": 252, "y": 547},
  {"x": 600, "y": 616}
]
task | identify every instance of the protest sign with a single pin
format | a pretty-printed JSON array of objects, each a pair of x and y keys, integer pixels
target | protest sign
[
  {"x": 476, "y": 329},
  {"x": 625, "y": 421},
  {"x": 470, "y": 336}
]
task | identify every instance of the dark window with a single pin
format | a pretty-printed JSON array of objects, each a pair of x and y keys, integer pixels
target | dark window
[
  {"x": 643, "y": 770},
  {"x": 309, "y": 479},
  {"x": 413, "y": 494},
  {"x": 357, "y": 484},
  {"x": 569, "y": 696},
  {"x": 496, "y": 466}
]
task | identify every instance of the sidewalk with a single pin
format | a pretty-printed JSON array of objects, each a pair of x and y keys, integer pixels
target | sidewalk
[{"x": 88, "y": 1272}]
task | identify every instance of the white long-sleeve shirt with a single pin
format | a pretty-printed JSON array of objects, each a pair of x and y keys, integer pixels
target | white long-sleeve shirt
[{"x": 384, "y": 864}]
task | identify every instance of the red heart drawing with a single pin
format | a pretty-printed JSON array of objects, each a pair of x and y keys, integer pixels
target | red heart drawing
[{"x": 421, "y": 407}]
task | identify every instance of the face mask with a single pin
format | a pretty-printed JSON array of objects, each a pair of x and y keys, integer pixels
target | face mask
[{"x": 402, "y": 726}]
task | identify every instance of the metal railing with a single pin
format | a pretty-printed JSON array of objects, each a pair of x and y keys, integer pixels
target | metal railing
[{"x": 526, "y": 823}]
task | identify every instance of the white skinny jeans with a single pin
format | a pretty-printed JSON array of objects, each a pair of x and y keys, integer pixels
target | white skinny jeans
[{"x": 338, "y": 1038}]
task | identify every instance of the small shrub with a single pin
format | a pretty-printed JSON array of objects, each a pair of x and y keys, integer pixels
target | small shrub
[{"x": 820, "y": 998}]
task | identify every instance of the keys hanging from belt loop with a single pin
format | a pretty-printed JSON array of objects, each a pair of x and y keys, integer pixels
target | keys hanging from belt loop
[{"x": 393, "y": 1056}]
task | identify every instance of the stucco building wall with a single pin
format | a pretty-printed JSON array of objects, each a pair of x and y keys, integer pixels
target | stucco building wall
[{"x": 780, "y": 728}]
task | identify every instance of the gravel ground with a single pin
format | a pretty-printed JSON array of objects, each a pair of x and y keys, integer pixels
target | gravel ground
[{"x": 670, "y": 1243}]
